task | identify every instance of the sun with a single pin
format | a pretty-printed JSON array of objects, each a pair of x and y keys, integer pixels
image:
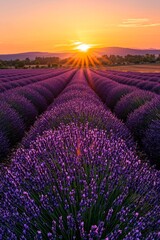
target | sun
[{"x": 83, "y": 47}]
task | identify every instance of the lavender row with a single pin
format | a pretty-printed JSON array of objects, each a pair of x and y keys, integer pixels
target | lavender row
[
  {"x": 10, "y": 73},
  {"x": 78, "y": 103},
  {"x": 150, "y": 77},
  {"x": 20, "y": 107},
  {"x": 15, "y": 74},
  {"x": 107, "y": 89},
  {"x": 138, "y": 108},
  {"x": 78, "y": 181},
  {"x": 139, "y": 83},
  {"x": 23, "y": 74},
  {"x": 153, "y": 77},
  {"x": 29, "y": 80}
]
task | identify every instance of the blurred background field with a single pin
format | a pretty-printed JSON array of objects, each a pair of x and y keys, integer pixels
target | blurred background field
[{"x": 148, "y": 68}]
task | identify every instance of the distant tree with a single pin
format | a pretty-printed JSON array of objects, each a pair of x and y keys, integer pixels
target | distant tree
[
  {"x": 113, "y": 59},
  {"x": 27, "y": 61},
  {"x": 19, "y": 64},
  {"x": 158, "y": 58}
]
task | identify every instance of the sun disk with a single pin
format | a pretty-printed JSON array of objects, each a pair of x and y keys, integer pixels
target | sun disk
[{"x": 83, "y": 47}]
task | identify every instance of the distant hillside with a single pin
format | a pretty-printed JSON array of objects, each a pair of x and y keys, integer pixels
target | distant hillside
[
  {"x": 100, "y": 51},
  {"x": 31, "y": 55},
  {"x": 125, "y": 51}
]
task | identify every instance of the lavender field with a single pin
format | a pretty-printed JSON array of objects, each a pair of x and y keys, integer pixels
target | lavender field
[{"x": 79, "y": 154}]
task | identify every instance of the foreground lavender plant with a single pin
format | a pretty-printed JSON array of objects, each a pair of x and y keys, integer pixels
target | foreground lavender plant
[{"x": 79, "y": 183}]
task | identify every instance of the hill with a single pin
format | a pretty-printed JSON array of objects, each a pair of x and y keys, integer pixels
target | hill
[
  {"x": 31, "y": 55},
  {"x": 100, "y": 51},
  {"x": 125, "y": 51}
]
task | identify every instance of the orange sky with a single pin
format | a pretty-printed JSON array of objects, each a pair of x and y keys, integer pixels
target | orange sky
[{"x": 54, "y": 25}]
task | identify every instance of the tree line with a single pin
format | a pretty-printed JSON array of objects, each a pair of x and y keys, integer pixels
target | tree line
[
  {"x": 28, "y": 63},
  {"x": 53, "y": 62},
  {"x": 129, "y": 59}
]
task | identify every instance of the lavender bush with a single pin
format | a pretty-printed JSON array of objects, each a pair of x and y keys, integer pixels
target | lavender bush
[
  {"x": 116, "y": 94},
  {"x": 22, "y": 106},
  {"x": 37, "y": 99},
  {"x": 131, "y": 102},
  {"x": 139, "y": 120},
  {"x": 46, "y": 93}
]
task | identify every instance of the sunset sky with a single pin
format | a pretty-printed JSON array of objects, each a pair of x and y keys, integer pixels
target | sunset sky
[{"x": 55, "y": 25}]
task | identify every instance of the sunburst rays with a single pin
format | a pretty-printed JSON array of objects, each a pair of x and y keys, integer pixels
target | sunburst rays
[{"x": 83, "y": 60}]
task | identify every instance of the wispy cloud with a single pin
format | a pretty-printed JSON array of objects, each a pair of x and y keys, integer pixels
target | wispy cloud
[
  {"x": 76, "y": 43},
  {"x": 138, "y": 23}
]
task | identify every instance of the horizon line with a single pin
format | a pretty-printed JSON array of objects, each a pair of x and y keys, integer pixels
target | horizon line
[{"x": 72, "y": 51}]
